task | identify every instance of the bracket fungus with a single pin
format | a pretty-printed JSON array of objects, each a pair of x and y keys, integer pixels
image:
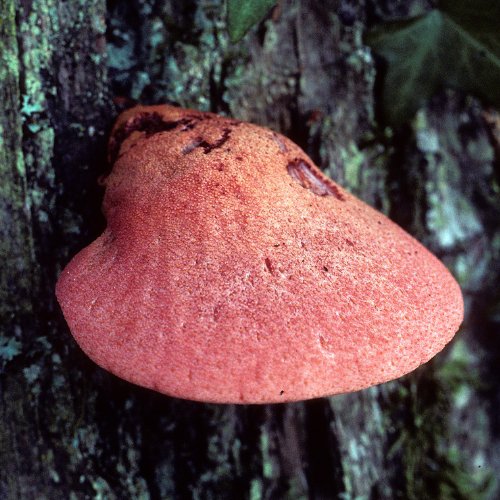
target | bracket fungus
[{"x": 233, "y": 271}]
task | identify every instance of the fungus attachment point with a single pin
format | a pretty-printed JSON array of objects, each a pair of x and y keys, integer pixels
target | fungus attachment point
[{"x": 233, "y": 271}]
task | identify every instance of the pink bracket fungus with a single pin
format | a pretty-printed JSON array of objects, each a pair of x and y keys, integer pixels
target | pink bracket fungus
[{"x": 233, "y": 271}]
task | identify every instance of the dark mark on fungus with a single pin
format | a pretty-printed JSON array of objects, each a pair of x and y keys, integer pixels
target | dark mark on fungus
[
  {"x": 310, "y": 177},
  {"x": 199, "y": 142},
  {"x": 150, "y": 124},
  {"x": 269, "y": 266}
]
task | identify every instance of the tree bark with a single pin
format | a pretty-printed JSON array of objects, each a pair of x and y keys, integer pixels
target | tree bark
[{"x": 70, "y": 430}]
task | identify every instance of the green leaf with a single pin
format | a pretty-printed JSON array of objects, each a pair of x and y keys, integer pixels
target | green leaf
[
  {"x": 243, "y": 14},
  {"x": 457, "y": 45}
]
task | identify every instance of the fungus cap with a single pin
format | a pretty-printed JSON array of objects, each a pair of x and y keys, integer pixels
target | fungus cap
[{"x": 232, "y": 270}]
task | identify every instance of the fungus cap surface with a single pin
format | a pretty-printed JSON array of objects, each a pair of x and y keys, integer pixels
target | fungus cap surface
[{"x": 232, "y": 270}]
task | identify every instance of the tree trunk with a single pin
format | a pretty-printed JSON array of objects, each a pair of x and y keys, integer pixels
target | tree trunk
[{"x": 70, "y": 430}]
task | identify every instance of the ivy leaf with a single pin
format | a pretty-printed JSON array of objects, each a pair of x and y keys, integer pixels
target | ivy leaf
[
  {"x": 457, "y": 45},
  {"x": 243, "y": 14}
]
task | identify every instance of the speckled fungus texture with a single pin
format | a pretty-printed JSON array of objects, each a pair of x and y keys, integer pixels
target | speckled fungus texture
[{"x": 233, "y": 271}]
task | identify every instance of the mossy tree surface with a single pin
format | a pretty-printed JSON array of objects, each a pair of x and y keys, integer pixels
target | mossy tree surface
[{"x": 69, "y": 429}]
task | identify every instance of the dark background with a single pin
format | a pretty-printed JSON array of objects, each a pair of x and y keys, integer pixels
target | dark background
[{"x": 70, "y": 430}]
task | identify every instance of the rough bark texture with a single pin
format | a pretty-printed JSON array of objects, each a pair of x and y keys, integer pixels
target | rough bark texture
[{"x": 71, "y": 430}]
